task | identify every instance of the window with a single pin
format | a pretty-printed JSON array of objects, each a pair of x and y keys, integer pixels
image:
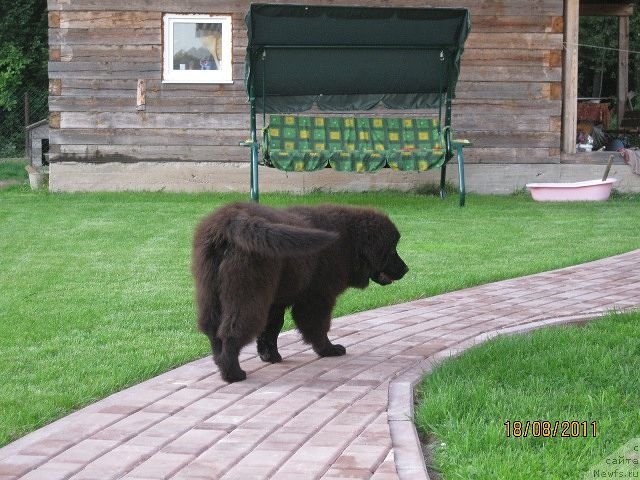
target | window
[{"x": 197, "y": 49}]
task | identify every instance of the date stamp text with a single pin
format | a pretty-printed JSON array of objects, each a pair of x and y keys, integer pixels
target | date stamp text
[{"x": 550, "y": 428}]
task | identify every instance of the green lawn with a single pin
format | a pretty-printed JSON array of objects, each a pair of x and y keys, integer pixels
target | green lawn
[
  {"x": 13, "y": 169},
  {"x": 96, "y": 291},
  {"x": 585, "y": 374}
]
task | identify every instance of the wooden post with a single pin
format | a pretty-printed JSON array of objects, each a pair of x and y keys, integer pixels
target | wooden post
[
  {"x": 623, "y": 65},
  {"x": 570, "y": 76},
  {"x": 27, "y": 114},
  {"x": 141, "y": 96}
]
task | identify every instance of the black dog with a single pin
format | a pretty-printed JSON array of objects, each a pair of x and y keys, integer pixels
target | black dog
[{"x": 251, "y": 262}]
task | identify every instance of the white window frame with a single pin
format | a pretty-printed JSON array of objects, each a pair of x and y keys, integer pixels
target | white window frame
[{"x": 223, "y": 75}]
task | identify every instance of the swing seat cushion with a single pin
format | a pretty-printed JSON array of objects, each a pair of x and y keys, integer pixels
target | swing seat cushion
[{"x": 352, "y": 144}]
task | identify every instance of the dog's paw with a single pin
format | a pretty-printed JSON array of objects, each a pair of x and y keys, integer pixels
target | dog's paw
[
  {"x": 268, "y": 351},
  {"x": 270, "y": 356},
  {"x": 234, "y": 375},
  {"x": 332, "y": 350}
]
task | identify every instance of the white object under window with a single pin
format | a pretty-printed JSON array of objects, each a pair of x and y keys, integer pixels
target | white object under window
[{"x": 197, "y": 49}]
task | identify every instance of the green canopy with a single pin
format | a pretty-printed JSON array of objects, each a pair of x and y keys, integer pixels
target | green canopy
[{"x": 352, "y": 58}]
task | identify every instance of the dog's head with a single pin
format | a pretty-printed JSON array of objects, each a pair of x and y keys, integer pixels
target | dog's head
[
  {"x": 393, "y": 269},
  {"x": 378, "y": 258}
]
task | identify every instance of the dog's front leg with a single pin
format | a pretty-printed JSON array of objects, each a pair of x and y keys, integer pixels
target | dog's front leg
[
  {"x": 268, "y": 340},
  {"x": 313, "y": 319}
]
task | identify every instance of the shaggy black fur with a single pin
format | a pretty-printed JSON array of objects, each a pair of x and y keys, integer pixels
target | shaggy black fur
[{"x": 251, "y": 262}]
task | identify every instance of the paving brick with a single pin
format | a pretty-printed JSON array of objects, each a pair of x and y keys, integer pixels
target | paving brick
[
  {"x": 161, "y": 465},
  {"x": 52, "y": 471},
  {"x": 207, "y": 407},
  {"x": 18, "y": 465},
  {"x": 385, "y": 476},
  {"x": 244, "y": 473},
  {"x": 199, "y": 469},
  {"x": 210, "y": 466},
  {"x": 259, "y": 463},
  {"x": 82, "y": 426},
  {"x": 115, "y": 463},
  {"x": 86, "y": 451},
  {"x": 362, "y": 457},
  {"x": 176, "y": 401},
  {"x": 311, "y": 419},
  {"x": 338, "y": 472},
  {"x": 284, "y": 439},
  {"x": 388, "y": 466},
  {"x": 194, "y": 442},
  {"x": 47, "y": 447},
  {"x": 129, "y": 426}
]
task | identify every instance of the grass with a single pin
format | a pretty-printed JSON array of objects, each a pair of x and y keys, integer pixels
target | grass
[
  {"x": 13, "y": 169},
  {"x": 584, "y": 373},
  {"x": 97, "y": 293}
]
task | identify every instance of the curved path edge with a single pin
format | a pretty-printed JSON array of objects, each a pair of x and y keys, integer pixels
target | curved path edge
[{"x": 409, "y": 455}]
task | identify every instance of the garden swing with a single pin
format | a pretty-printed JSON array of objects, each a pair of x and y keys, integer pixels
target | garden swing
[{"x": 342, "y": 59}]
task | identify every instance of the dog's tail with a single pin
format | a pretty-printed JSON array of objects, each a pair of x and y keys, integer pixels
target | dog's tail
[
  {"x": 258, "y": 235},
  {"x": 205, "y": 262}
]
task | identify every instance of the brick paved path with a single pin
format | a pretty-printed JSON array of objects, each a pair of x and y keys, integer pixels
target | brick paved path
[{"x": 310, "y": 417}]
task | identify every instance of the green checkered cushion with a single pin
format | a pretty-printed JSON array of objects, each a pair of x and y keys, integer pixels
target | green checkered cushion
[
  {"x": 355, "y": 152},
  {"x": 421, "y": 147},
  {"x": 354, "y": 144},
  {"x": 296, "y": 144}
]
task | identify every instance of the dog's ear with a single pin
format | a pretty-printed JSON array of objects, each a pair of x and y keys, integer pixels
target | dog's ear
[
  {"x": 360, "y": 270},
  {"x": 375, "y": 239},
  {"x": 371, "y": 257}
]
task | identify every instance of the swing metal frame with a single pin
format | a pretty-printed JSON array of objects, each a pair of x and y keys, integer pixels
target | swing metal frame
[{"x": 274, "y": 46}]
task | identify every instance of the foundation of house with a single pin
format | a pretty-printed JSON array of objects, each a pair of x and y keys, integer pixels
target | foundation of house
[{"x": 234, "y": 177}]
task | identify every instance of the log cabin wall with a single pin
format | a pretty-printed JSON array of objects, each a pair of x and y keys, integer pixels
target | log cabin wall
[{"x": 508, "y": 97}]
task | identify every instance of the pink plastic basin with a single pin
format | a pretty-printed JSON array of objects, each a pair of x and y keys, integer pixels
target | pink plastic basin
[{"x": 591, "y": 190}]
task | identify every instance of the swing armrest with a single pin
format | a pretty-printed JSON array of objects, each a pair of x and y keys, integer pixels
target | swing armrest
[
  {"x": 247, "y": 143},
  {"x": 461, "y": 142}
]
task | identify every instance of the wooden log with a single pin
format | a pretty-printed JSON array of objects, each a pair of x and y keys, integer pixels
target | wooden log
[
  {"x": 513, "y": 155},
  {"x": 515, "y": 24},
  {"x": 151, "y": 120},
  {"x": 470, "y": 121},
  {"x": 518, "y": 41},
  {"x": 546, "y": 108},
  {"x": 183, "y": 153},
  {"x": 493, "y": 139},
  {"x": 111, "y": 103},
  {"x": 111, "y": 36},
  {"x": 102, "y": 53},
  {"x": 521, "y": 73},
  {"x": 504, "y": 90},
  {"x": 109, "y": 19},
  {"x": 151, "y": 137},
  {"x": 502, "y": 57}
]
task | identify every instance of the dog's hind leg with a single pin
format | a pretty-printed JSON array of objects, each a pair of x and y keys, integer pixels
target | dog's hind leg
[
  {"x": 268, "y": 340},
  {"x": 313, "y": 319},
  {"x": 209, "y": 319},
  {"x": 245, "y": 298},
  {"x": 228, "y": 362},
  {"x": 242, "y": 319},
  {"x": 216, "y": 346}
]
